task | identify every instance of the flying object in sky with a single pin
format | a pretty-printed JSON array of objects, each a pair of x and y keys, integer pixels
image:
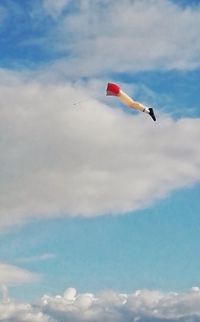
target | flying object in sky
[{"x": 115, "y": 90}]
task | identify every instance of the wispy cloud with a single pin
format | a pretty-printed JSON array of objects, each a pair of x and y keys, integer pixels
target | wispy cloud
[
  {"x": 55, "y": 8},
  {"x": 129, "y": 39},
  {"x": 94, "y": 159},
  {"x": 108, "y": 306},
  {"x": 11, "y": 275},
  {"x": 43, "y": 257}
]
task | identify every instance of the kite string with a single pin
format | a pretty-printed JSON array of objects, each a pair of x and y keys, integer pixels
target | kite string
[{"x": 81, "y": 101}]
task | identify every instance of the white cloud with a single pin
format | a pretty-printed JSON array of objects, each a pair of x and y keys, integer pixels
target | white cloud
[
  {"x": 108, "y": 306},
  {"x": 135, "y": 35},
  {"x": 12, "y": 275},
  {"x": 17, "y": 312},
  {"x": 57, "y": 158}
]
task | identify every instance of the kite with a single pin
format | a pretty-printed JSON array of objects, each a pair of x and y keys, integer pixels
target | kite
[{"x": 115, "y": 90}]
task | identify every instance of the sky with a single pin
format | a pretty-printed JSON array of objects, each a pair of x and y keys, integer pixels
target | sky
[{"x": 99, "y": 205}]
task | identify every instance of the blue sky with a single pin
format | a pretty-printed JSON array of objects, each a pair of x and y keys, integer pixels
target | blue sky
[
  {"x": 95, "y": 197},
  {"x": 155, "y": 248}
]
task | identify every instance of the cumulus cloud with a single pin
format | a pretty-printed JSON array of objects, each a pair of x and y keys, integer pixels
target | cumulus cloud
[
  {"x": 17, "y": 312},
  {"x": 135, "y": 35},
  {"x": 57, "y": 158},
  {"x": 108, "y": 306}
]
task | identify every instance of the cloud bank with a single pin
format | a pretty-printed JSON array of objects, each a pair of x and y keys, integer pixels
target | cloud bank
[
  {"x": 107, "y": 306},
  {"x": 89, "y": 159}
]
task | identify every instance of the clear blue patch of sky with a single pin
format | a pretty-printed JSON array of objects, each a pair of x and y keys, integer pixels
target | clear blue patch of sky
[{"x": 155, "y": 248}]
